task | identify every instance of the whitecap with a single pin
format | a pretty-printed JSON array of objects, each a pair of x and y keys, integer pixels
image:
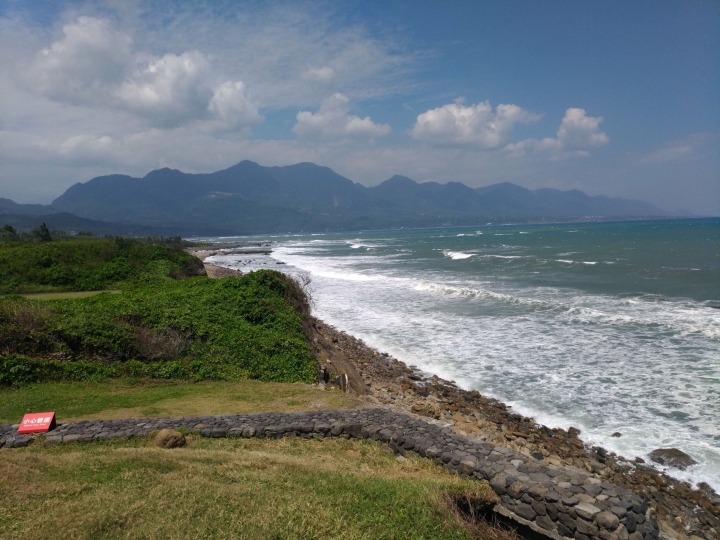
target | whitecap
[{"x": 457, "y": 255}]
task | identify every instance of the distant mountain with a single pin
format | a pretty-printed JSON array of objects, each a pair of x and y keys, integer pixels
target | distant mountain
[
  {"x": 68, "y": 222},
  {"x": 11, "y": 207},
  {"x": 249, "y": 198}
]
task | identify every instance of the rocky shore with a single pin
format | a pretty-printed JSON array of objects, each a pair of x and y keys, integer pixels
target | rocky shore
[{"x": 682, "y": 511}]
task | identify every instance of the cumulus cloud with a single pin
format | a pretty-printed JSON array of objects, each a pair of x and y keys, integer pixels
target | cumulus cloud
[
  {"x": 231, "y": 108},
  {"x": 577, "y": 134},
  {"x": 169, "y": 91},
  {"x": 333, "y": 121},
  {"x": 80, "y": 67},
  {"x": 93, "y": 65},
  {"x": 475, "y": 125}
]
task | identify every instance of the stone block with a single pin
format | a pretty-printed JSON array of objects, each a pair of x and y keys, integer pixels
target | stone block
[
  {"x": 586, "y": 528},
  {"x": 607, "y": 520},
  {"x": 545, "y": 522},
  {"x": 467, "y": 466},
  {"x": 539, "y": 507},
  {"x": 51, "y": 441},
  {"x": 563, "y": 530},
  {"x": 525, "y": 511},
  {"x": 566, "y": 520},
  {"x": 586, "y": 511},
  {"x": 552, "y": 497}
]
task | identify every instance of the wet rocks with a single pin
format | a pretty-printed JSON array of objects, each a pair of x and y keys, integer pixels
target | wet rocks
[
  {"x": 672, "y": 457},
  {"x": 483, "y": 419}
]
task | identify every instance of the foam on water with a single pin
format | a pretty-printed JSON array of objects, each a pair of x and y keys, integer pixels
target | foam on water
[
  {"x": 644, "y": 364},
  {"x": 457, "y": 255}
]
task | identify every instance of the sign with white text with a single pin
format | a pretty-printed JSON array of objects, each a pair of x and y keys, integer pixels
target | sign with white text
[{"x": 37, "y": 422}]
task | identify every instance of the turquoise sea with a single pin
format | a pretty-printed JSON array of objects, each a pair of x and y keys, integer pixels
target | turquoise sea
[{"x": 608, "y": 327}]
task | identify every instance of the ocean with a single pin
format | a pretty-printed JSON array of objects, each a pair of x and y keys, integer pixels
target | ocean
[{"x": 607, "y": 327}]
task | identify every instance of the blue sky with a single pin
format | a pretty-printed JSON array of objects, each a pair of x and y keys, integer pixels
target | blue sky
[{"x": 613, "y": 98}]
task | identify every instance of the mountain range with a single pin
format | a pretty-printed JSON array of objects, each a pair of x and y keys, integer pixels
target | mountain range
[{"x": 249, "y": 198}]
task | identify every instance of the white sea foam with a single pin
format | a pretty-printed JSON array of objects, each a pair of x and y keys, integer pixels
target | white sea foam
[
  {"x": 457, "y": 255},
  {"x": 603, "y": 363},
  {"x": 503, "y": 256}
]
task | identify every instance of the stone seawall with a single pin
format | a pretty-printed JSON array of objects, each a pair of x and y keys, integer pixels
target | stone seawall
[{"x": 558, "y": 502}]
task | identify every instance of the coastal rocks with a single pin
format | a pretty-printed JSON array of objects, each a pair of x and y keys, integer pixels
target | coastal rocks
[
  {"x": 672, "y": 457},
  {"x": 168, "y": 438},
  {"x": 394, "y": 385}
]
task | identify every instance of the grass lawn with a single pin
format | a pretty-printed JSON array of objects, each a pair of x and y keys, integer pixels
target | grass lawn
[
  {"x": 228, "y": 488},
  {"x": 128, "y": 398}
]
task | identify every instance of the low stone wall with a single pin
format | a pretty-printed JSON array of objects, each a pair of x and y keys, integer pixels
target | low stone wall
[{"x": 553, "y": 501}]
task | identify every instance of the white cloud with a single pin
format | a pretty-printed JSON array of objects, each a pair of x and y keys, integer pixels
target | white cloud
[
  {"x": 688, "y": 148},
  {"x": 231, "y": 108},
  {"x": 81, "y": 66},
  {"x": 93, "y": 66},
  {"x": 323, "y": 75},
  {"x": 333, "y": 121},
  {"x": 170, "y": 90},
  {"x": 577, "y": 134},
  {"x": 475, "y": 125}
]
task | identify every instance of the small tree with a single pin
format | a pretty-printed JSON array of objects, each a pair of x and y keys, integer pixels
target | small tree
[
  {"x": 42, "y": 233},
  {"x": 9, "y": 229}
]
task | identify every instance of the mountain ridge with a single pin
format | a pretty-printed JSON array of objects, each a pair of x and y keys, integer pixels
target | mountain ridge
[{"x": 249, "y": 198}]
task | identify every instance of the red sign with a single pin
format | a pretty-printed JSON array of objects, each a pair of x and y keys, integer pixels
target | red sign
[{"x": 37, "y": 422}]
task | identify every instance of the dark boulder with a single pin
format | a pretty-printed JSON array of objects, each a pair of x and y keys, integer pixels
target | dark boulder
[{"x": 672, "y": 457}]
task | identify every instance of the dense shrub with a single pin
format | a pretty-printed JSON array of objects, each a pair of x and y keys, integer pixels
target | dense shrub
[
  {"x": 86, "y": 265},
  {"x": 196, "y": 328}
]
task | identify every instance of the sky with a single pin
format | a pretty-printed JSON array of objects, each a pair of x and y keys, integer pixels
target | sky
[{"x": 609, "y": 97}]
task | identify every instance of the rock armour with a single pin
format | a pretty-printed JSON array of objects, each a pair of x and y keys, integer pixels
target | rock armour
[{"x": 558, "y": 502}]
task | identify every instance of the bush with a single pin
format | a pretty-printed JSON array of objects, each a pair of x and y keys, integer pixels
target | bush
[
  {"x": 193, "y": 329},
  {"x": 86, "y": 265}
]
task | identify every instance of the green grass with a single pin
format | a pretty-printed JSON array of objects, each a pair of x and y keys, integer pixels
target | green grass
[
  {"x": 227, "y": 488},
  {"x": 128, "y": 398},
  {"x": 198, "y": 328},
  {"x": 89, "y": 265},
  {"x": 65, "y": 295}
]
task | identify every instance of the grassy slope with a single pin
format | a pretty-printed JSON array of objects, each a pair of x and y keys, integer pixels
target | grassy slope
[
  {"x": 226, "y": 488},
  {"x": 87, "y": 265},
  {"x": 195, "y": 328},
  {"x": 127, "y": 398}
]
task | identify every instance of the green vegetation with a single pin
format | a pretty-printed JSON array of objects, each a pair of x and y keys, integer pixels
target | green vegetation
[
  {"x": 65, "y": 295},
  {"x": 138, "y": 398},
  {"x": 235, "y": 328},
  {"x": 228, "y": 488},
  {"x": 89, "y": 265}
]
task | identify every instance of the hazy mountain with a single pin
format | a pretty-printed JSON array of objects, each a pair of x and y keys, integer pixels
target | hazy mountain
[
  {"x": 250, "y": 198},
  {"x": 11, "y": 207},
  {"x": 68, "y": 222}
]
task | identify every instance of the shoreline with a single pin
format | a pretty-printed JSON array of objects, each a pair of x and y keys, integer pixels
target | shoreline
[
  {"x": 382, "y": 380},
  {"x": 389, "y": 382}
]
